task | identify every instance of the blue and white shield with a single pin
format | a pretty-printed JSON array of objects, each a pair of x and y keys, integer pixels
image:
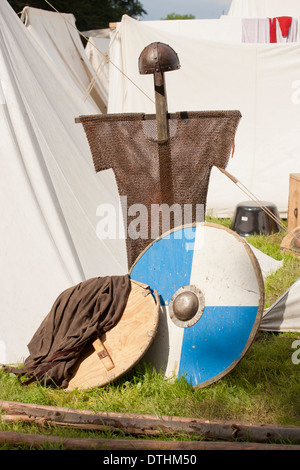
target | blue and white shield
[{"x": 212, "y": 294}]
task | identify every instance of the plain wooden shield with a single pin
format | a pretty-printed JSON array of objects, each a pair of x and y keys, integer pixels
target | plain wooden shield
[
  {"x": 119, "y": 349},
  {"x": 212, "y": 295},
  {"x": 291, "y": 242}
]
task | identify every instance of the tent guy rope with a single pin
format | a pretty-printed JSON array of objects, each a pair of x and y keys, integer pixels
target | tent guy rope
[
  {"x": 254, "y": 198},
  {"x": 100, "y": 67},
  {"x": 114, "y": 65}
]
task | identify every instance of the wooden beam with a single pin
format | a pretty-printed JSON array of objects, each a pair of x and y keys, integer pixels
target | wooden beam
[
  {"x": 35, "y": 441},
  {"x": 136, "y": 424}
]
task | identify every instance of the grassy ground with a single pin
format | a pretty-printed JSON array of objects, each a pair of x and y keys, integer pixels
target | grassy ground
[
  {"x": 275, "y": 284},
  {"x": 263, "y": 388}
]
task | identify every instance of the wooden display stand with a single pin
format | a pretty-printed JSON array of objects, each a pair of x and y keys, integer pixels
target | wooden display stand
[{"x": 294, "y": 202}]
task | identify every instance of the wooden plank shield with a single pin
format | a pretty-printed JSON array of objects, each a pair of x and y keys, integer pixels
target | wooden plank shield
[
  {"x": 211, "y": 293},
  {"x": 119, "y": 349},
  {"x": 291, "y": 242}
]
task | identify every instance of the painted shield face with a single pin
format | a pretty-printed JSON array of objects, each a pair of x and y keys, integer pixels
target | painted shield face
[{"x": 211, "y": 293}]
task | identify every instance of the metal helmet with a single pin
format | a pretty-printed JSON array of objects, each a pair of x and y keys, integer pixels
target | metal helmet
[{"x": 158, "y": 57}]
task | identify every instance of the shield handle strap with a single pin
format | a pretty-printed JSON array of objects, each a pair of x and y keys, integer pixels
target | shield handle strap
[{"x": 103, "y": 354}]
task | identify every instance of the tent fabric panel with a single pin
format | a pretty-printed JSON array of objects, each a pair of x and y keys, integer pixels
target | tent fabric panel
[
  {"x": 50, "y": 191},
  {"x": 56, "y": 34},
  {"x": 264, "y": 8},
  {"x": 283, "y": 315},
  {"x": 258, "y": 79}
]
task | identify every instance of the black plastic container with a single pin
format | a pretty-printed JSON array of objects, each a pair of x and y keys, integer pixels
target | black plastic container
[{"x": 250, "y": 219}]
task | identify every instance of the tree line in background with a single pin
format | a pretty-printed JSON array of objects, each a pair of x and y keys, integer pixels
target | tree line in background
[
  {"x": 89, "y": 14},
  {"x": 93, "y": 14}
]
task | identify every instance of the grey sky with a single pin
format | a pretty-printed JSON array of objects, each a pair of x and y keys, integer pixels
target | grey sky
[{"x": 158, "y": 9}]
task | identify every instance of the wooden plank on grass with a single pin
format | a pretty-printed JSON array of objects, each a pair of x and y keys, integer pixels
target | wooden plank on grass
[
  {"x": 36, "y": 441},
  {"x": 153, "y": 426}
]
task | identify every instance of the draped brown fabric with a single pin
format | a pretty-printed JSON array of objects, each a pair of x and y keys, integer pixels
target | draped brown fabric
[
  {"x": 176, "y": 171},
  {"x": 80, "y": 314}
]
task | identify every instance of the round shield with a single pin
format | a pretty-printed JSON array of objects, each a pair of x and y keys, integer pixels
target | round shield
[
  {"x": 120, "y": 348},
  {"x": 291, "y": 242},
  {"x": 211, "y": 294}
]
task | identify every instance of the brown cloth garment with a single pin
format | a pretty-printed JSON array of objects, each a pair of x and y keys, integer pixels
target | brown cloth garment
[{"x": 80, "y": 314}]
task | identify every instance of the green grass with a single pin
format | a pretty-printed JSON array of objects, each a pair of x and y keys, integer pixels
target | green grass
[
  {"x": 263, "y": 388},
  {"x": 277, "y": 283}
]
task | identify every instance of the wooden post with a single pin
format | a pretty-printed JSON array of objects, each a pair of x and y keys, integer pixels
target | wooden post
[
  {"x": 161, "y": 106},
  {"x": 165, "y": 164}
]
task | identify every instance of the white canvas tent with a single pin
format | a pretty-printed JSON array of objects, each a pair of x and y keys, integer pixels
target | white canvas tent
[
  {"x": 218, "y": 71},
  {"x": 284, "y": 314},
  {"x": 264, "y": 8},
  {"x": 49, "y": 189},
  {"x": 97, "y": 51},
  {"x": 57, "y": 35}
]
